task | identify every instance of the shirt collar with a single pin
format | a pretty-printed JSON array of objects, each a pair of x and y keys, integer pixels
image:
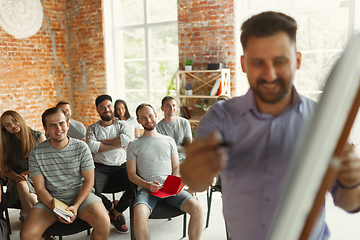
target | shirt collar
[{"x": 249, "y": 105}]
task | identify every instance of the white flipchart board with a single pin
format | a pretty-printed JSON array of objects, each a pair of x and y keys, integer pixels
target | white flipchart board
[{"x": 316, "y": 145}]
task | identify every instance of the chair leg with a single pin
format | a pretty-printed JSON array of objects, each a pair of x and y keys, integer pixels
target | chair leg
[
  {"x": 184, "y": 227},
  {"x": 209, "y": 199},
  {"x": 88, "y": 232},
  {"x": 132, "y": 234},
  {"x": 7, "y": 219}
]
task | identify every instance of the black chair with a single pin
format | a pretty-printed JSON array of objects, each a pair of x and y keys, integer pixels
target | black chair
[
  {"x": 162, "y": 210},
  {"x": 61, "y": 229},
  {"x": 210, "y": 191}
]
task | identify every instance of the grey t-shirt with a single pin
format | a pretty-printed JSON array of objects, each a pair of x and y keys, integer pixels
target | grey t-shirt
[
  {"x": 179, "y": 130},
  {"x": 76, "y": 130},
  {"x": 61, "y": 167},
  {"x": 153, "y": 156}
]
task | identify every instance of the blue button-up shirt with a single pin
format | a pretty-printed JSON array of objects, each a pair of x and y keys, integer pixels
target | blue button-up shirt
[{"x": 261, "y": 147}]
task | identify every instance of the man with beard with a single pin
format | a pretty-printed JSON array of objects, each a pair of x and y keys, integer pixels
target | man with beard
[
  {"x": 174, "y": 126},
  {"x": 261, "y": 130},
  {"x": 107, "y": 139},
  {"x": 150, "y": 159}
]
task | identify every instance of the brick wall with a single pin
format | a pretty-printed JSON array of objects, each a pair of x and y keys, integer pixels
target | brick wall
[
  {"x": 206, "y": 31},
  {"x": 87, "y": 57},
  {"x": 35, "y": 71},
  {"x": 63, "y": 61}
]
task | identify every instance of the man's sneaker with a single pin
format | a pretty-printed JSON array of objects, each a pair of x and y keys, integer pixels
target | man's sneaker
[{"x": 119, "y": 223}]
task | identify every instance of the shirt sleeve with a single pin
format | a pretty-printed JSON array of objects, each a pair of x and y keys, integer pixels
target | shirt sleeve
[
  {"x": 86, "y": 160},
  {"x": 34, "y": 169},
  {"x": 209, "y": 122},
  {"x": 131, "y": 156},
  {"x": 173, "y": 147},
  {"x": 187, "y": 131},
  {"x": 124, "y": 133},
  {"x": 91, "y": 140}
]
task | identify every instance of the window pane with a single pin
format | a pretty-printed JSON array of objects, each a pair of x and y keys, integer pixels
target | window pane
[
  {"x": 256, "y": 5},
  {"x": 327, "y": 29},
  {"x": 128, "y": 12},
  {"x": 163, "y": 41},
  {"x": 155, "y": 101},
  {"x": 314, "y": 69},
  {"x": 302, "y": 3},
  {"x": 135, "y": 75},
  {"x": 133, "y": 43},
  {"x": 161, "y": 10},
  {"x": 134, "y": 99},
  {"x": 161, "y": 73}
]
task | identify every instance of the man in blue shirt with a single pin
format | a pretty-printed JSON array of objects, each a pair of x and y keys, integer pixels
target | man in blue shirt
[{"x": 261, "y": 128}]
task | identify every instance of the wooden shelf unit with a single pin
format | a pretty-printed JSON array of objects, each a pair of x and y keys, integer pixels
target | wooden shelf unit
[{"x": 202, "y": 82}]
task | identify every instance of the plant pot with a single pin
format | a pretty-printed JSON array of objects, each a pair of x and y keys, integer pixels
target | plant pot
[
  {"x": 188, "y": 68},
  {"x": 188, "y": 92}
]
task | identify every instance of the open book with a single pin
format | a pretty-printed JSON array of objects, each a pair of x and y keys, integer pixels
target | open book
[
  {"x": 59, "y": 208},
  {"x": 171, "y": 187}
]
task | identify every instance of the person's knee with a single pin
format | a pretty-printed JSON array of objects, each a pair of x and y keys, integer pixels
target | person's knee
[
  {"x": 29, "y": 232},
  {"x": 193, "y": 207},
  {"x": 96, "y": 215},
  {"x": 21, "y": 186},
  {"x": 141, "y": 213}
]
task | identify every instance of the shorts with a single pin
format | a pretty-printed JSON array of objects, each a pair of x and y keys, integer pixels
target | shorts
[
  {"x": 178, "y": 201},
  {"x": 88, "y": 200}
]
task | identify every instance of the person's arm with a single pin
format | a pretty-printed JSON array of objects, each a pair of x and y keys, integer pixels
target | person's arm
[
  {"x": 42, "y": 193},
  {"x": 135, "y": 178},
  {"x": 13, "y": 176},
  {"x": 84, "y": 190},
  {"x": 95, "y": 145},
  {"x": 42, "y": 138},
  {"x": 137, "y": 132},
  {"x": 204, "y": 161},
  {"x": 347, "y": 192},
  {"x": 175, "y": 164},
  {"x": 112, "y": 141}
]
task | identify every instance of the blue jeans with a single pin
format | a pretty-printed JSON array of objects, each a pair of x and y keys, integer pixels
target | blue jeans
[{"x": 178, "y": 201}]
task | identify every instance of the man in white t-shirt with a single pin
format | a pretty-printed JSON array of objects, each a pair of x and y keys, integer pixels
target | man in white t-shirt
[{"x": 107, "y": 139}]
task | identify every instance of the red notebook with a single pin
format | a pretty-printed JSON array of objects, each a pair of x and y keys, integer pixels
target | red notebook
[{"x": 171, "y": 187}]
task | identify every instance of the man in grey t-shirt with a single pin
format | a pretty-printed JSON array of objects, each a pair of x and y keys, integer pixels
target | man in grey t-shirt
[
  {"x": 150, "y": 159},
  {"x": 76, "y": 129},
  {"x": 174, "y": 126},
  {"x": 62, "y": 168}
]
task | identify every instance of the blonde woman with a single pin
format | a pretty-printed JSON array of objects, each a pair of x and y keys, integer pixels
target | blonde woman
[{"x": 17, "y": 139}]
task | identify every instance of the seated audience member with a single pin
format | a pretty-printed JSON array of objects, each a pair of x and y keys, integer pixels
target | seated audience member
[
  {"x": 150, "y": 159},
  {"x": 76, "y": 128},
  {"x": 62, "y": 167},
  {"x": 122, "y": 112},
  {"x": 107, "y": 139},
  {"x": 174, "y": 126},
  {"x": 17, "y": 139}
]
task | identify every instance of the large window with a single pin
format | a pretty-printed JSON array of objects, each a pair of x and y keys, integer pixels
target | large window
[
  {"x": 142, "y": 47},
  {"x": 324, "y": 27}
]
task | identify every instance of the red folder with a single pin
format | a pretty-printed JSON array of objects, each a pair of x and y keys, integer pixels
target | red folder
[{"x": 171, "y": 187}]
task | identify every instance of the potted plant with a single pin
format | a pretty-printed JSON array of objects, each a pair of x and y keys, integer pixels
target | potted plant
[
  {"x": 188, "y": 64},
  {"x": 188, "y": 89},
  {"x": 204, "y": 105}
]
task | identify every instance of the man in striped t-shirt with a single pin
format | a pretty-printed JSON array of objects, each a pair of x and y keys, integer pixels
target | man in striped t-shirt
[{"x": 63, "y": 168}]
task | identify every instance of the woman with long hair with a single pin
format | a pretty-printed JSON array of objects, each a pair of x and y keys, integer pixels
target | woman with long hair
[
  {"x": 122, "y": 112},
  {"x": 17, "y": 139}
]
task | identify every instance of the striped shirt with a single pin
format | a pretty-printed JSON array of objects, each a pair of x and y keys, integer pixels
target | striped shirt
[{"x": 61, "y": 167}]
